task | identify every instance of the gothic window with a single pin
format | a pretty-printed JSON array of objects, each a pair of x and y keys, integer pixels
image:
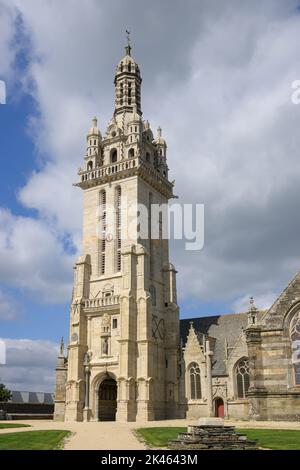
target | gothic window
[
  {"x": 118, "y": 195},
  {"x": 90, "y": 166},
  {"x": 152, "y": 292},
  {"x": 149, "y": 235},
  {"x": 102, "y": 241},
  {"x": 160, "y": 225},
  {"x": 131, "y": 153},
  {"x": 242, "y": 377},
  {"x": 195, "y": 381},
  {"x": 129, "y": 67},
  {"x": 295, "y": 338},
  {"x": 148, "y": 157},
  {"x": 113, "y": 156},
  {"x": 105, "y": 346}
]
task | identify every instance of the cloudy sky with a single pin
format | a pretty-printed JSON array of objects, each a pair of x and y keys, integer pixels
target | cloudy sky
[{"x": 217, "y": 76}]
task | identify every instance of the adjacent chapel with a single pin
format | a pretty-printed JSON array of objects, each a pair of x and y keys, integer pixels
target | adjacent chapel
[{"x": 129, "y": 357}]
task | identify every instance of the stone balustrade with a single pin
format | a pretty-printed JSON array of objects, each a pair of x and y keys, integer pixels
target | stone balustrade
[
  {"x": 94, "y": 176},
  {"x": 102, "y": 301}
]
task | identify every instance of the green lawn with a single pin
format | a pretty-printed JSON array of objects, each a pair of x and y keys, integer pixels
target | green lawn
[
  {"x": 32, "y": 440},
  {"x": 13, "y": 425},
  {"x": 275, "y": 439},
  {"x": 158, "y": 437}
]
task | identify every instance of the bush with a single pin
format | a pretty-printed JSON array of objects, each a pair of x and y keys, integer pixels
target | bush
[{"x": 5, "y": 394}]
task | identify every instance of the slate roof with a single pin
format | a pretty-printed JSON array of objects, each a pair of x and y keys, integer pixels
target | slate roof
[
  {"x": 32, "y": 397},
  {"x": 220, "y": 328}
]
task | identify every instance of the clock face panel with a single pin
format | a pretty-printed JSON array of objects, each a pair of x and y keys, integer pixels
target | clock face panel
[
  {"x": 74, "y": 337},
  {"x": 158, "y": 327}
]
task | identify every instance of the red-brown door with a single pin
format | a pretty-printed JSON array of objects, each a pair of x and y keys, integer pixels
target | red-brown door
[{"x": 219, "y": 408}]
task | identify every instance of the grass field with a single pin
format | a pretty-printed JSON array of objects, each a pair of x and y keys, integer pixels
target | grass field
[
  {"x": 13, "y": 425},
  {"x": 275, "y": 439},
  {"x": 32, "y": 440}
]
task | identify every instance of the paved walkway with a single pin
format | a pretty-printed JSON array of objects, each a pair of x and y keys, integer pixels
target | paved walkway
[{"x": 120, "y": 436}]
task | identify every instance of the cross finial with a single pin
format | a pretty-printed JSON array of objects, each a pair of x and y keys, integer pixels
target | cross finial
[
  {"x": 128, "y": 46},
  {"x": 128, "y": 36}
]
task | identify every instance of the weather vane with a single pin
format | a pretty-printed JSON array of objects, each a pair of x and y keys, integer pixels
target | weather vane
[
  {"x": 128, "y": 37},
  {"x": 128, "y": 46}
]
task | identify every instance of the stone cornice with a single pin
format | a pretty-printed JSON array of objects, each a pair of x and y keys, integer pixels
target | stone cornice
[{"x": 125, "y": 169}]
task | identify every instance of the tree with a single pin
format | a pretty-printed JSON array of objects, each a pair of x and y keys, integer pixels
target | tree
[{"x": 5, "y": 394}]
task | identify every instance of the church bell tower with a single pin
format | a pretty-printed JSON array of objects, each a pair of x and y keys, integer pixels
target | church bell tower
[{"x": 123, "y": 361}]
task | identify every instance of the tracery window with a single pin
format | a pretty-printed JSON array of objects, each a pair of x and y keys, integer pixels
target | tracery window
[
  {"x": 295, "y": 338},
  {"x": 195, "y": 381},
  {"x": 242, "y": 375}
]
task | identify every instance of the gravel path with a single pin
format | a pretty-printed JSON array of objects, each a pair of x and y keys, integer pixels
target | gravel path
[{"x": 120, "y": 436}]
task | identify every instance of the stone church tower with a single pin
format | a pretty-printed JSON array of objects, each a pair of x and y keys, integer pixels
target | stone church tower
[{"x": 123, "y": 353}]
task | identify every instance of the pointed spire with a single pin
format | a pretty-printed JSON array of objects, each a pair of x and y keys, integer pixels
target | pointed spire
[
  {"x": 252, "y": 312},
  {"x": 62, "y": 346},
  {"x": 159, "y": 130},
  {"x": 95, "y": 121}
]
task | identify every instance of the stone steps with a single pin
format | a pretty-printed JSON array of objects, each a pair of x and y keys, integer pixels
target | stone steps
[{"x": 212, "y": 437}]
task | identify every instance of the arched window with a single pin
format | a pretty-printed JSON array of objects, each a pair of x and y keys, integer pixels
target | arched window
[
  {"x": 90, "y": 166},
  {"x": 295, "y": 338},
  {"x": 148, "y": 158},
  {"x": 149, "y": 235},
  {"x": 113, "y": 156},
  {"x": 130, "y": 153},
  {"x": 152, "y": 292},
  {"x": 118, "y": 195},
  {"x": 195, "y": 381},
  {"x": 102, "y": 241},
  {"x": 242, "y": 376}
]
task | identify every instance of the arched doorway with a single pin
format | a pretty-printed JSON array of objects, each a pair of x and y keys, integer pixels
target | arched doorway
[
  {"x": 107, "y": 400},
  {"x": 219, "y": 408}
]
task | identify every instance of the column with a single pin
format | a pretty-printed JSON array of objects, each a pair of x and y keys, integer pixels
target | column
[
  {"x": 208, "y": 354},
  {"x": 86, "y": 411}
]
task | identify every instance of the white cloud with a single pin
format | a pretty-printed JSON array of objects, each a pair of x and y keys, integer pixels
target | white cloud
[
  {"x": 219, "y": 83},
  {"x": 261, "y": 302},
  {"x": 32, "y": 257},
  {"x": 30, "y": 365},
  {"x": 7, "y": 51}
]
